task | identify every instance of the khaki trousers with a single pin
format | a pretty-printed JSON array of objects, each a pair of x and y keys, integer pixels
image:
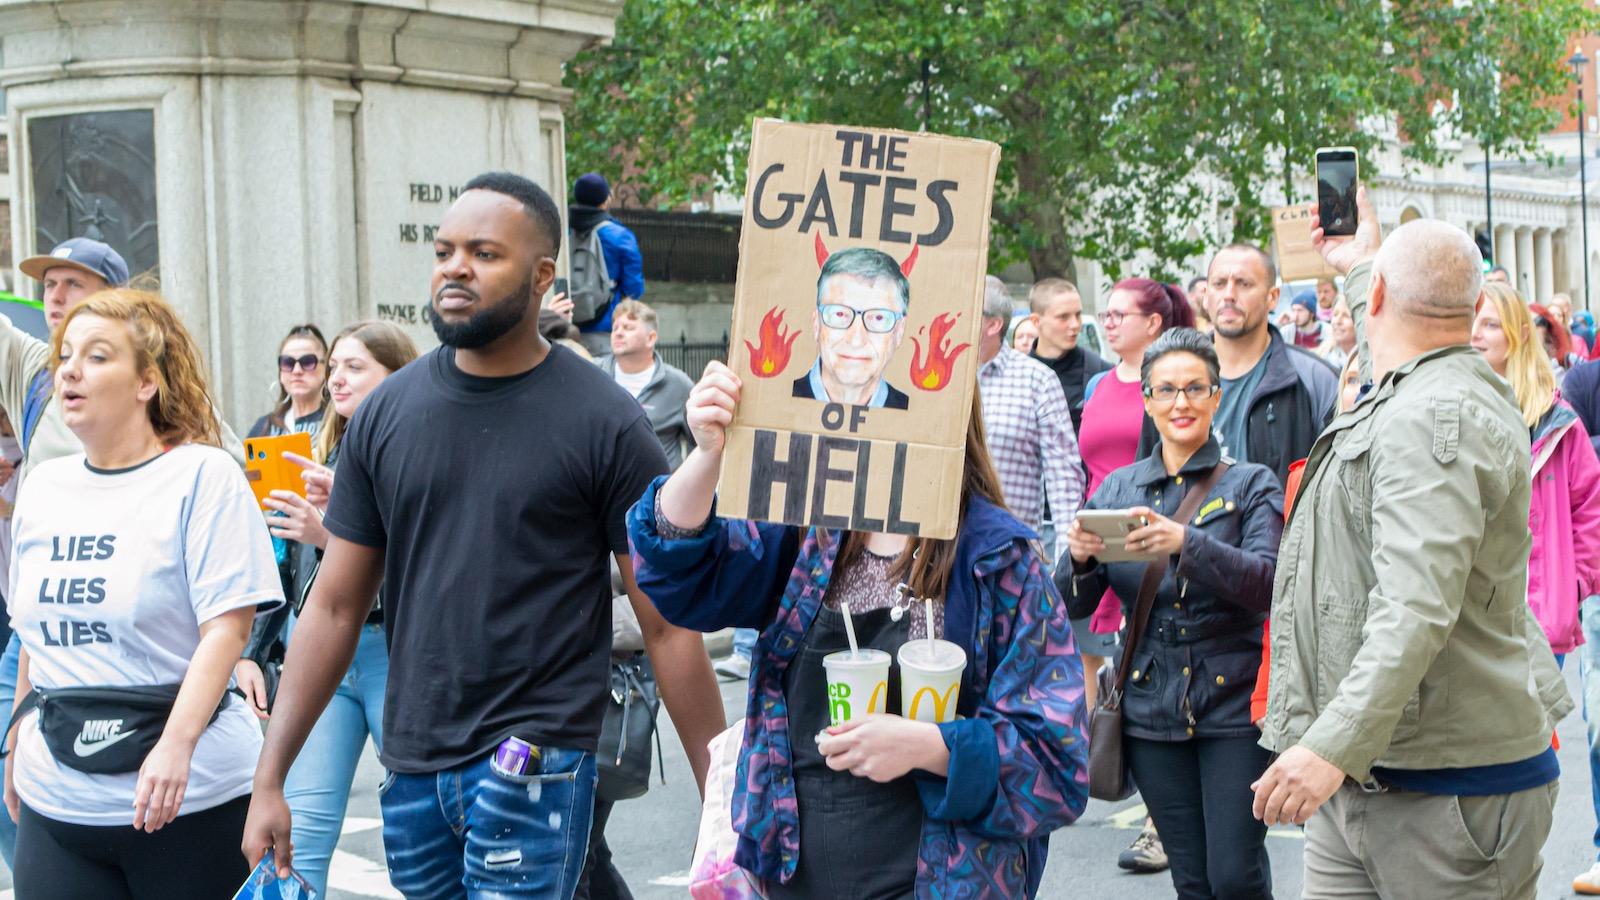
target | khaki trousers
[{"x": 1400, "y": 845}]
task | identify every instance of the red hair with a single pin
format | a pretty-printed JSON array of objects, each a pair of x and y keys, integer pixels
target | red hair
[{"x": 1157, "y": 299}]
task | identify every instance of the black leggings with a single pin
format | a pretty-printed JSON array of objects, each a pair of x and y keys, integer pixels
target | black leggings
[
  {"x": 194, "y": 856},
  {"x": 1198, "y": 793}
]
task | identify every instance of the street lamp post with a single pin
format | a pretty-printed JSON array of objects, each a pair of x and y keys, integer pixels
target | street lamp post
[{"x": 1578, "y": 62}]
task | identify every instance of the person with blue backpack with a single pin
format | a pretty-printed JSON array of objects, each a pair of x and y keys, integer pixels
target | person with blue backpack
[{"x": 606, "y": 265}]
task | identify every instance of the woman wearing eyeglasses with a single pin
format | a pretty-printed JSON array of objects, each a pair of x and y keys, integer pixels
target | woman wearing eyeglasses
[
  {"x": 1136, "y": 313},
  {"x": 1187, "y": 732}
]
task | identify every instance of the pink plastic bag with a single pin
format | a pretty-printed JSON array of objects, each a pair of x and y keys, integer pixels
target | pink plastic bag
[{"x": 714, "y": 875}]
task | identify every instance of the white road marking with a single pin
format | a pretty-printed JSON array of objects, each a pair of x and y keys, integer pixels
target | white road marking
[
  {"x": 358, "y": 875},
  {"x": 358, "y": 824},
  {"x": 676, "y": 879}
]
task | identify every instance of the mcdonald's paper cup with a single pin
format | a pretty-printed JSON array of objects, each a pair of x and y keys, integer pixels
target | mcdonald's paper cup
[
  {"x": 930, "y": 679},
  {"x": 858, "y": 684}
]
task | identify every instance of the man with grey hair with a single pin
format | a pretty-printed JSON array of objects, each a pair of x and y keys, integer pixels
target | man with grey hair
[
  {"x": 1027, "y": 423},
  {"x": 1410, "y": 686},
  {"x": 860, "y": 320}
]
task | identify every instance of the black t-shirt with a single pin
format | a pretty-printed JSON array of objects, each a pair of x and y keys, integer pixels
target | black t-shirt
[
  {"x": 1074, "y": 368},
  {"x": 497, "y": 501}
]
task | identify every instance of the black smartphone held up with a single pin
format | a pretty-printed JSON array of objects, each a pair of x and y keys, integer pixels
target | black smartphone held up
[
  {"x": 1337, "y": 177},
  {"x": 560, "y": 286}
]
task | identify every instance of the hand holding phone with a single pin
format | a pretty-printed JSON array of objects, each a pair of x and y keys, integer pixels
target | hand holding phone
[
  {"x": 266, "y": 468},
  {"x": 1338, "y": 175},
  {"x": 1106, "y": 531}
]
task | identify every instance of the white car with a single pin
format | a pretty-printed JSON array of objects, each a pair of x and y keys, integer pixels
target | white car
[{"x": 1090, "y": 338}]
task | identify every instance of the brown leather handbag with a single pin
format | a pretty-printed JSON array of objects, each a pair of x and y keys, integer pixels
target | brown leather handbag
[{"x": 1109, "y": 778}]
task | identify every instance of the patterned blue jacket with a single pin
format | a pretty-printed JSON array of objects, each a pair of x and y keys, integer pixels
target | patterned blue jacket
[{"x": 1019, "y": 752}]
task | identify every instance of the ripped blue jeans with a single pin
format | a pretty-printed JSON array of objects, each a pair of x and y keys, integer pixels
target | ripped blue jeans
[
  {"x": 470, "y": 833},
  {"x": 1589, "y": 671}
]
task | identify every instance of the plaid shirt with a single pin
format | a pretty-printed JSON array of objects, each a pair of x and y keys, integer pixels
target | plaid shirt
[{"x": 1031, "y": 440}]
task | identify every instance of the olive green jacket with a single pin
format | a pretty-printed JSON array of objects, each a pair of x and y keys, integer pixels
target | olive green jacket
[{"x": 1401, "y": 634}]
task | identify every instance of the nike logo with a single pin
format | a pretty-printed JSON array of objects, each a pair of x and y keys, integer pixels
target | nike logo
[{"x": 100, "y": 735}]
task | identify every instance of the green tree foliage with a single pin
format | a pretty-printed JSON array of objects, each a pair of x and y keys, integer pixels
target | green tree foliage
[{"x": 1106, "y": 109}]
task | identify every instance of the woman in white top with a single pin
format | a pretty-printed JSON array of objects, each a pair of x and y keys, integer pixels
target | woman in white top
[{"x": 137, "y": 566}]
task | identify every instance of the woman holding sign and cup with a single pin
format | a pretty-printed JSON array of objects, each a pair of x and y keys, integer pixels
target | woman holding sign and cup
[
  {"x": 1190, "y": 550},
  {"x": 905, "y": 724}
]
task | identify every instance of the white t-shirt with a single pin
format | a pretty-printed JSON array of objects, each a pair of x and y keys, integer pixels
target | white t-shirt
[
  {"x": 633, "y": 384},
  {"x": 112, "y": 574}
]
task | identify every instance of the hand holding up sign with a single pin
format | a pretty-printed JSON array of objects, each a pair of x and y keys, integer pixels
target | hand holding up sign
[
  {"x": 686, "y": 498},
  {"x": 711, "y": 405}
]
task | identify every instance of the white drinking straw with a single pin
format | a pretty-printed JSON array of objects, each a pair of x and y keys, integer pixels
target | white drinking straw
[
  {"x": 850, "y": 630},
  {"x": 927, "y": 605}
]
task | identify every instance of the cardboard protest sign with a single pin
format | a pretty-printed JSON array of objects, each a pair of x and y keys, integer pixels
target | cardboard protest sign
[
  {"x": 855, "y": 327},
  {"x": 1297, "y": 259}
]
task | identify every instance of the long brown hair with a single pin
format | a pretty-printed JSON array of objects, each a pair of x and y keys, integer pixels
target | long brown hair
[
  {"x": 391, "y": 347},
  {"x": 926, "y": 563},
  {"x": 181, "y": 411}
]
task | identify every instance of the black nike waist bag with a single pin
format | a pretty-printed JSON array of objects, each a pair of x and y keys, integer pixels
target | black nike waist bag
[{"x": 104, "y": 730}]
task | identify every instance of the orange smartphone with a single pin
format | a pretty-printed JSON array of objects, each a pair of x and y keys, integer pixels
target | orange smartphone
[{"x": 267, "y": 470}]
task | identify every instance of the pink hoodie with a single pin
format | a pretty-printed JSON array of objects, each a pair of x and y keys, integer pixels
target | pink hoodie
[{"x": 1564, "y": 516}]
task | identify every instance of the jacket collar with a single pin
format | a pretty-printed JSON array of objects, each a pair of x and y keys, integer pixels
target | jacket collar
[
  {"x": 1152, "y": 469},
  {"x": 1280, "y": 371}
]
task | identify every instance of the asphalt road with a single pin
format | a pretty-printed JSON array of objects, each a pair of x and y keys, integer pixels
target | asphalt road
[{"x": 653, "y": 836}]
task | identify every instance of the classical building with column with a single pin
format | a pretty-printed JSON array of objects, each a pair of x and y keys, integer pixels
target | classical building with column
[{"x": 276, "y": 161}]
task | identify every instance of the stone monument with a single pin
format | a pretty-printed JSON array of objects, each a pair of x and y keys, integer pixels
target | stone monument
[{"x": 278, "y": 161}]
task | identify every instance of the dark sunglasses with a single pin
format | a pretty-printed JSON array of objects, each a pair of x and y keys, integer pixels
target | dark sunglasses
[{"x": 307, "y": 363}]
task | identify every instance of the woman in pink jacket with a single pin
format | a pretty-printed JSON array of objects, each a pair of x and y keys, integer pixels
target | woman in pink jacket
[{"x": 1564, "y": 513}]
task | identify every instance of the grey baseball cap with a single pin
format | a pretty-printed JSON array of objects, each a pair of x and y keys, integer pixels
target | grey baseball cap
[{"x": 91, "y": 256}]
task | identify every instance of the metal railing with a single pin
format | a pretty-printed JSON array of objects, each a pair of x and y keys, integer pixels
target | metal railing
[
  {"x": 692, "y": 357},
  {"x": 684, "y": 246}
]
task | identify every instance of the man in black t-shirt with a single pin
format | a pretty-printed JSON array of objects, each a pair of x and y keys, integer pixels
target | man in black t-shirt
[{"x": 489, "y": 527}]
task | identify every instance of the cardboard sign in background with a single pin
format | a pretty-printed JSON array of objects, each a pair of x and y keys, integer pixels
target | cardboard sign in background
[
  {"x": 1298, "y": 260},
  {"x": 889, "y": 458}
]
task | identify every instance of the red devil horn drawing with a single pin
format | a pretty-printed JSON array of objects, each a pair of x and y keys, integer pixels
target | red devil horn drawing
[{"x": 823, "y": 253}]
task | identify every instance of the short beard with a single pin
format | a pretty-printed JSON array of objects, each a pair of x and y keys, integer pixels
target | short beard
[
  {"x": 1236, "y": 331},
  {"x": 485, "y": 326}
]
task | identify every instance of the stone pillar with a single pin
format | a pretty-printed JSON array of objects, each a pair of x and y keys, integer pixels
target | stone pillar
[
  {"x": 1522, "y": 275},
  {"x": 1505, "y": 249},
  {"x": 299, "y": 152},
  {"x": 1543, "y": 267}
]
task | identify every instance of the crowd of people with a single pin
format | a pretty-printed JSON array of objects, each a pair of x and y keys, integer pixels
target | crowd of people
[{"x": 1363, "y": 543}]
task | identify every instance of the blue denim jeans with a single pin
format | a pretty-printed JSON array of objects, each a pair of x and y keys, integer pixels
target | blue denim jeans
[
  {"x": 318, "y": 786},
  {"x": 8, "y": 696},
  {"x": 744, "y": 642},
  {"x": 469, "y": 833},
  {"x": 1589, "y": 671}
]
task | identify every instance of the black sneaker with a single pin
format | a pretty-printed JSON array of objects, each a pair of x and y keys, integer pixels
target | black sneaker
[{"x": 1145, "y": 854}]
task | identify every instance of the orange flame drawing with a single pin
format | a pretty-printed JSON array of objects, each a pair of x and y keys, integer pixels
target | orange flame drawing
[
  {"x": 772, "y": 355},
  {"x": 935, "y": 373}
]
